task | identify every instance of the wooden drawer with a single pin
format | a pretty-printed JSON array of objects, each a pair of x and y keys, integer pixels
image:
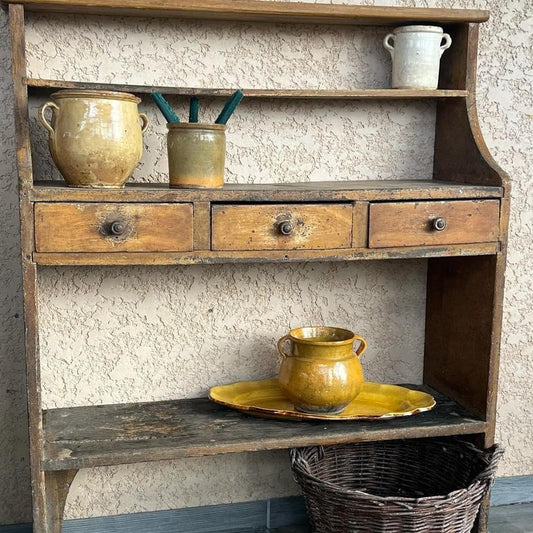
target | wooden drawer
[
  {"x": 433, "y": 223},
  {"x": 90, "y": 227},
  {"x": 281, "y": 226}
]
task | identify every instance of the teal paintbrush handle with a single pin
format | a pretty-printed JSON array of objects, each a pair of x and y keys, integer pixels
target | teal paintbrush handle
[
  {"x": 164, "y": 107},
  {"x": 193, "y": 109},
  {"x": 229, "y": 108}
]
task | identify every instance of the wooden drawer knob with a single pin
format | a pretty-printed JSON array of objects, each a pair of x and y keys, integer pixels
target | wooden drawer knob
[
  {"x": 439, "y": 223},
  {"x": 286, "y": 227},
  {"x": 115, "y": 228}
]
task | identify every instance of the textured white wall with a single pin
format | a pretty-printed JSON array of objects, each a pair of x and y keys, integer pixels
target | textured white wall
[{"x": 129, "y": 334}]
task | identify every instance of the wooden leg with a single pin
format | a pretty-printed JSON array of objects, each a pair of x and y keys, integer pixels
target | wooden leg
[
  {"x": 57, "y": 485},
  {"x": 482, "y": 522}
]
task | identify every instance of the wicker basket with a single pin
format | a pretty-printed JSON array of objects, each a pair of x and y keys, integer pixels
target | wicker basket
[{"x": 408, "y": 486}]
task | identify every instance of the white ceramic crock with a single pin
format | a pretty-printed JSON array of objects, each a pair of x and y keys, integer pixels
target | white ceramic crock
[{"x": 416, "y": 53}]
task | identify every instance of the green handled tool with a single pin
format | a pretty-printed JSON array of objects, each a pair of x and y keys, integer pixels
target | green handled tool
[
  {"x": 229, "y": 108},
  {"x": 165, "y": 108},
  {"x": 193, "y": 109}
]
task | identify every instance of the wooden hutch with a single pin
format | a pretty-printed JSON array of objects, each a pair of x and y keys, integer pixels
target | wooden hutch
[{"x": 458, "y": 221}]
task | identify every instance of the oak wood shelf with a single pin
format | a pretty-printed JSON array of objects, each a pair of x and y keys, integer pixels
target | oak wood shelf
[
  {"x": 296, "y": 94},
  {"x": 249, "y": 10},
  {"x": 316, "y": 191},
  {"x": 83, "y": 437}
]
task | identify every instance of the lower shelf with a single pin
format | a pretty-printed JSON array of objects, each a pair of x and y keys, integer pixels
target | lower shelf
[{"x": 83, "y": 437}]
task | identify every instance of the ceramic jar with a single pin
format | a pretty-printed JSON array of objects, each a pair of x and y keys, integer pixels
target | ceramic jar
[
  {"x": 95, "y": 137},
  {"x": 416, "y": 53},
  {"x": 196, "y": 154},
  {"x": 322, "y": 373}
]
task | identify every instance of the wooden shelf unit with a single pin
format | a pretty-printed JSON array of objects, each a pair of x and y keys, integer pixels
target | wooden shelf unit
[{"x": 466, "y": 262}]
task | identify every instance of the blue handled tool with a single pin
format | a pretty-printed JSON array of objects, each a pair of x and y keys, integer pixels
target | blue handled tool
[
  {"x": 165, "y": 108},
  {"x": 229, "y": 108},
  {"x": 193, "y": 109}
]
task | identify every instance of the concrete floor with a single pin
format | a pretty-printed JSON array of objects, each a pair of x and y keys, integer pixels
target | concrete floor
[{"x": 503, "y": 519}]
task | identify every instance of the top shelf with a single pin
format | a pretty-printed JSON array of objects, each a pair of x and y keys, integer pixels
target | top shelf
[
  {"x": 316, "y": 94},
  {"x": 252, "y": 10}
]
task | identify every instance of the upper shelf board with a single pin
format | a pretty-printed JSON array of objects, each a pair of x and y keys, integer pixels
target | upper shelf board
[
  {"x": 317, "y": 94},
  {"x": 314, "y": 191},
  {"x": 252, "y": 10}
]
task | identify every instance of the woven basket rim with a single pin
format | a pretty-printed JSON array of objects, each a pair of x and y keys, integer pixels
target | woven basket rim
[{"x": 490, "y": 457}]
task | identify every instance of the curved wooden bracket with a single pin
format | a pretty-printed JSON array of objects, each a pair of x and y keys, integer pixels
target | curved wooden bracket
[
  {"x": 57, "y": 486},
  {"x": 461, "y": 154}
]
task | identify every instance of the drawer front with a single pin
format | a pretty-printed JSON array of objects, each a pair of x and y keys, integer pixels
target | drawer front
[
  {"x": 89, "y": 227},
  {"x": 433, "y": 223},
  {"x": 281, "y": 227}
]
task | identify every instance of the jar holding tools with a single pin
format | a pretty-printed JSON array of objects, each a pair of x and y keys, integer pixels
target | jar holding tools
[{"x": 196, "y": 151}]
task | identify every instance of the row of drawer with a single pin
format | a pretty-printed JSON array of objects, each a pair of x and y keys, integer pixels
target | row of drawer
[{"x": 137, "y": 227}]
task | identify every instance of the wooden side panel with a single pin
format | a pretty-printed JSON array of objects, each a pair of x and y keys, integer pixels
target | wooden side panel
[
  {"x": 462, "y": 331},
  {"x": 453, "y": 72},
  {"x": 461, "y": 154},
  {"x": 415, "y": 223},
  {"x": 29, "y": 269},
  {"x": 282, "y": 227},
  {"x": 113, "y": 227}
]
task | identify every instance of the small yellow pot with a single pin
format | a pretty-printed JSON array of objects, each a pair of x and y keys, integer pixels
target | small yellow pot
[
  {"x": 95, "y": 136},
  {"x": 196, "y": 154},
  {"x": 322, "y": 374}
]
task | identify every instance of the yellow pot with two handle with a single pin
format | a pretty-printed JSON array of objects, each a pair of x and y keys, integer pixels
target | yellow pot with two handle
[{"x": 322, "y": 373}]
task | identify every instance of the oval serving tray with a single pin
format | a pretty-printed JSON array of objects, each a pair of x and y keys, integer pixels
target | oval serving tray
[{"x": 375, "y": 401}]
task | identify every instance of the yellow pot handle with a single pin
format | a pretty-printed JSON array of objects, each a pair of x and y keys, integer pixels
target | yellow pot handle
[
  {"x": 362, "y": 347},
  {"x": 42, "y": 116},
  {"x": 145, "y": 120},
  {"x": 280, "y": 343}
]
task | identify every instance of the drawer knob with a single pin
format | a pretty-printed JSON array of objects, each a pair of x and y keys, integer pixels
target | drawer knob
[
  {"x": 439, "y": 223},
  {"x": 286, "y": 227},
  {"x": 117, "y": 228}
]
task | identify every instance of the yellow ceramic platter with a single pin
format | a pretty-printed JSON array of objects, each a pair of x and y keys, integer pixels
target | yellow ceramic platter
[{"x": 375, "y": 401}]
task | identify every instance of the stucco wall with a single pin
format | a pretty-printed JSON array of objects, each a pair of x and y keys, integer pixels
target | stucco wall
[{"x": 131, "y": 334}]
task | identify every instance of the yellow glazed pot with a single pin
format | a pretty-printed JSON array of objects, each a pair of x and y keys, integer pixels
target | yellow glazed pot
[
  {"x": 95, "y": 136},
  {"x": 321, "y": 374},
  {"x": 196, "y": 154}
]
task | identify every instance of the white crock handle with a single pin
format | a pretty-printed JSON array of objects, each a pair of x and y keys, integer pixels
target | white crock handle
[
  {"x": 388, "y": 45},
  {"x": 447, "y": 43}
]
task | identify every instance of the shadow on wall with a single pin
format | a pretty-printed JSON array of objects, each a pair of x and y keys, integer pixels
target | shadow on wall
[{"x": 15, "y": 495}]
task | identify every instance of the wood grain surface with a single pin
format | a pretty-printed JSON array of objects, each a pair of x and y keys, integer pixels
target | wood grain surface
[
  {"x": 80, "y": 437},
  {"x": 251, "y": 10},
  {"x": 88, "y": 227},
  {"x": 260, "y": 227},
  {"x": 314, "y": 94},
  {"x": 412, "y": 223},
  {"x": 207, "y": 257},
  {"x": 316, "y": 191}
]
